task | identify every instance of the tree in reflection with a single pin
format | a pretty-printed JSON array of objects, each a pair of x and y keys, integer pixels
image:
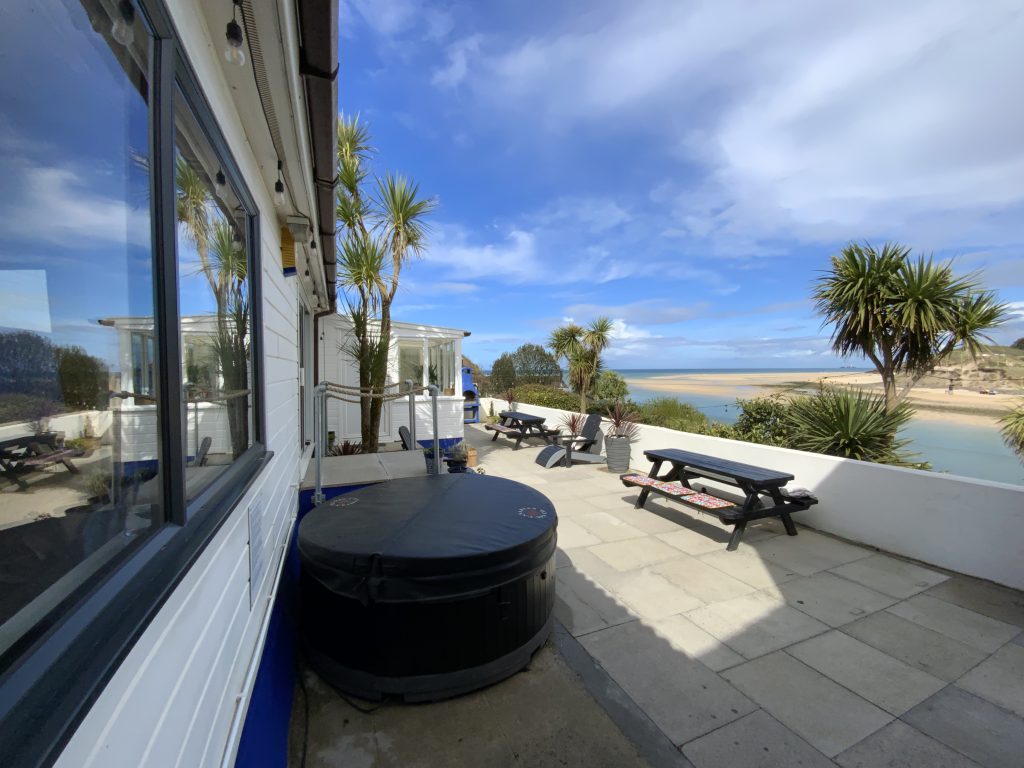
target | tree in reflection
[{"x": 223, "y": 262}]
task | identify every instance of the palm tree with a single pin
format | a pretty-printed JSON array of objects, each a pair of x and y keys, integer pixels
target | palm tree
[
  {"x": 1013, "y": 430},
  {"x": 904, "y": 315},
  {"x": 380, "y": 233},
  {"x": 582, "y": 348}
]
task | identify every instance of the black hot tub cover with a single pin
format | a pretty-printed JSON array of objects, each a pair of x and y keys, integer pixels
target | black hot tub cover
[{"x": 427, "y": 538}]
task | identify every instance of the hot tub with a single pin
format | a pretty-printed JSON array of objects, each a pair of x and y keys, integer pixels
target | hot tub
[{"x": 427, "y": 587}]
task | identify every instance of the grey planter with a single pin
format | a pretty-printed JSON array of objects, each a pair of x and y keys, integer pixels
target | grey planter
[{"x": 617, "y": 453}]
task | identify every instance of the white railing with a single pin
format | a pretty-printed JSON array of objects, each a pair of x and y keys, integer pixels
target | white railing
[{"x": 327, "y": 390}]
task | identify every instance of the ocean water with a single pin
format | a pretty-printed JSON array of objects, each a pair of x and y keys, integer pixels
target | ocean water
[{"x": 960, "y": 449}]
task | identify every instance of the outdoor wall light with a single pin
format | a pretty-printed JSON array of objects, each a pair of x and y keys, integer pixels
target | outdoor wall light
[
  {"x": 123, "y": 29},
  {"x": 233, "y": 53},
  {"x": 279, "y": 187}
]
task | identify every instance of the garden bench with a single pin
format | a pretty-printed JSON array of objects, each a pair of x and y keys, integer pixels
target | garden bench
[{"x": 520, "y": 426}]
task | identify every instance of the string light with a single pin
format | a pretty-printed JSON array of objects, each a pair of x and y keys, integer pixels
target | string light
[
  {"x": 279, "y": 187},
  {"x": 123, "y": 29},
  {"x": 233, "y": 53}
]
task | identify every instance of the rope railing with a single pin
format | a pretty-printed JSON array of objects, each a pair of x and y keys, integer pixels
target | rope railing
[{"x": 330, "y": 390}]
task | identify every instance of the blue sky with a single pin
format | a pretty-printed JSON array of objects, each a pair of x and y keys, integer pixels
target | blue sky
[{"x": 688, "y": 168}]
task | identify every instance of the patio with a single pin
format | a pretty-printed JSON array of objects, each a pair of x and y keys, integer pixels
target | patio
[{"x": 805, "y": 651}]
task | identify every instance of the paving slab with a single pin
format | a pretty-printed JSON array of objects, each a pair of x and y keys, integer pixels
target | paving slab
[
  {"x": 832, "y": 599},
  {"x": 634, "y": 553},
  {"x": 686, "y": 637},
  {"x": 961, "y": 624},
  {"x": 972, "y": 726},
  {"x": 755, "y": 741},
  {"x": 920, "y": 647},
  {"x": 582, "y": 606},
  {"x": 877, "y": 677},
  {"x": 696, "y": 541},
  {"x": 651, "y": 597},
  {"x": 749, "y": 567},
  {"x": 1019, "y": 639},
  {"x": 890, "y": 575},
  {"x": 682, "y": 696},
  {"x": 829, "y": 717},
  {"x": 808, "y": 553},
  {"x": 984, "y": 597},
  {"x": 645, "y": 519},
  {"x": 900, "y": 746},
  {"x": 701, "y": 580},
  {"x": 756, "y": 624},
  {"x": 607, "y": 527},
  {"x": 571, "y": 534},
  {"x": 999, "y": 679}
]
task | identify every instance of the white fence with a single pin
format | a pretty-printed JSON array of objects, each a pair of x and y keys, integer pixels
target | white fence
[{"x": 970, "y": 526}]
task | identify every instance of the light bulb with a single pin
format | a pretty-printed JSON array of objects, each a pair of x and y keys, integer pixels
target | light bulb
[
  {"x": 123, "y": 30},
  {"x": 279, "y": 193},
  {"x": 233, "y": 53}
]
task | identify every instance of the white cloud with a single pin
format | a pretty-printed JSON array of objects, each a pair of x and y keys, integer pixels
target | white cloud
[
  {"x": 395, "y": 18},
  {"x": 818, "y": 121},
  {"x": 57, "y": 206},
  {"x": 593, "y": 214},
  {"x": 458, "y": 55}
]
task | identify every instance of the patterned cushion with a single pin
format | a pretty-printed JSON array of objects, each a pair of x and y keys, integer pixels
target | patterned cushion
[
  {"x": 672, "y": 489},
  {"x": 707, "y": 501}
]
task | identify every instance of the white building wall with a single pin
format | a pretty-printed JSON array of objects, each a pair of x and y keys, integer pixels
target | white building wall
[
  {"x": 963, "y": 524},
  {"x": 175, "y": 698}
]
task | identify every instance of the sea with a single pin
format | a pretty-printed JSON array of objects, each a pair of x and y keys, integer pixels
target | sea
[{"x": 959, "y": 449}]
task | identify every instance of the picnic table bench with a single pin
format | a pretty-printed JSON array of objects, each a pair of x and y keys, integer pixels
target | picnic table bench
[
  {"x": 19, "y": 455},
  {"x": 520, "y": 426},
  {"x": 763, "y": 490}
]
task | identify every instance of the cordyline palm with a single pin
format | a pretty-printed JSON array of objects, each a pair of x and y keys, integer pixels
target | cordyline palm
[
  {"x": 379, "y": 233},
  {"x": 1012, "y": 429},
  {"x": 905, "y": 315},
  {"x": 582, "y": 348}
]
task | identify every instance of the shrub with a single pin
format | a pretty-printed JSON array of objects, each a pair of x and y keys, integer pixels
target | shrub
[
  {"x": 82, "y": 377},
  {"x": 502, "y": 375},
  {"x": 672, "y": 413},
  {"x": 852, "y": 424},
  {"x": 764, "y": 420},
  {"x": 547, "y": 397},
  {"x": 610, "y": 387}
]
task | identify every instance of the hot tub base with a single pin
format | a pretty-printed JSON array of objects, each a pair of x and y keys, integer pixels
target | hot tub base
[{"x": 420, "y": 688}]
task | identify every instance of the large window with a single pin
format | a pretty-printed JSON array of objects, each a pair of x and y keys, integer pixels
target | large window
[{"x": 129, "y": 334}]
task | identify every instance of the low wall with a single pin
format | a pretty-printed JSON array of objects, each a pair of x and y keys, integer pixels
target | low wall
[
  {"x": 970, "y": 526},
  {"x": 71, "y": 424},
  {"x": 449, "y": 418}
]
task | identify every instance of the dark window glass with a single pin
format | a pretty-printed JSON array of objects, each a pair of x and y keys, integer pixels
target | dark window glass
[
  {"x": 216, "y": 314},
  {"x": 79, "y": 477}
]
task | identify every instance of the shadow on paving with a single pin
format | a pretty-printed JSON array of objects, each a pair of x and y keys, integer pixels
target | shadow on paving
[{"x": 805, "y": 651}]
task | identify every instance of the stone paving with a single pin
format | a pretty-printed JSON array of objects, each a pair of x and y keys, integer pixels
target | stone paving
[{"x": 803, "y": 650}]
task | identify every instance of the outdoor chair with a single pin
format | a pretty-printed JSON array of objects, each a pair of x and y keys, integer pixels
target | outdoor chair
[
  {"x": 406, "y": 438},
  {"x": 586, "y": 447}
]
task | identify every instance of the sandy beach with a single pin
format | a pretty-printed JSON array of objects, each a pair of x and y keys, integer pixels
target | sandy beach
[{"x": 962, "y": 406}]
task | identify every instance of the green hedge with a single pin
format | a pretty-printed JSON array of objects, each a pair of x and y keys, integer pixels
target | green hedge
[{"x": 548, "y": 397}]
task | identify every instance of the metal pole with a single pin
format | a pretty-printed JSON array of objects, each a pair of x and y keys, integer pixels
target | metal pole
[
  {"x": 318, "y": 429},
  {"x": 437, "y": 441},
  {"x": 412, "y": 413}
]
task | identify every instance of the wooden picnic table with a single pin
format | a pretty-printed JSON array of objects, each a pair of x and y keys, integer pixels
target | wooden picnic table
[
  {"x": 19, "y": 455},
  {"x": 520, "y": 426},
  {"x": 763, "y": 490}
]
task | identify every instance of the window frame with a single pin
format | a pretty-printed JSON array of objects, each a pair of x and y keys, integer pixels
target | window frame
[{"x": 49, "y": 687}]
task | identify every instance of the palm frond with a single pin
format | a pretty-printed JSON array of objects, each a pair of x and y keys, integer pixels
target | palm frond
[{"x": 1012, "y": 430}]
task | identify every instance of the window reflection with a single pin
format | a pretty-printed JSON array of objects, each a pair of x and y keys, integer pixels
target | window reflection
[
  {"x": 216, "y": 332},
  {"x": 79, "y": 477}
]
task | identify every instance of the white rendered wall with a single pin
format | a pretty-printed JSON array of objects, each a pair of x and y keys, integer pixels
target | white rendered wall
[
  {"x": 970, "y": 526},
  {"x": 173, "y": 700}
]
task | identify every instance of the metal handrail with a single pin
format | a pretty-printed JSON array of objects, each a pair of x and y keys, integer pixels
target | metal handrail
[{"x": 327, "y": 389}]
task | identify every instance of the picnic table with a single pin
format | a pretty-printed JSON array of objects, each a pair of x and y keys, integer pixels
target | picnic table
[
  {"x": 518, "y": 425},
  {"x": 19, "y": 455},
  {"x": 763, "y": 490}
]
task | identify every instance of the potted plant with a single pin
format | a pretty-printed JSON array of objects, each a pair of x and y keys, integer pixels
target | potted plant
[
  {"x": 572, "y": 423},
  {"x": 457, "y": 458},
  {"x": 622, "y": 431},
  {"x": 509, "y": 396},
  {"x": 428, "y": 455}
]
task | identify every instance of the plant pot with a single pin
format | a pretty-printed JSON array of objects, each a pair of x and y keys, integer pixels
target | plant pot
[
  {"x": 456, "y": 466},
  {"x": 617, "y": 453},
  {"x": 431, "y": 464}
]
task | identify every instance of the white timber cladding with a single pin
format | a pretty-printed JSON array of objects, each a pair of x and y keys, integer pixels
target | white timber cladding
[
  {"x": 175, "y": 697},
  {"x": 960, "y": 523}
]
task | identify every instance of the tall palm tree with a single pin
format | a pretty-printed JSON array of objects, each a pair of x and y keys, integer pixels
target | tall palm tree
[
  {"x": 379, "y": 233},
  {"x": 582, "y": 347},
  {"x": 905, "y": 315},
  {"x": 1013, "y": 430}
]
